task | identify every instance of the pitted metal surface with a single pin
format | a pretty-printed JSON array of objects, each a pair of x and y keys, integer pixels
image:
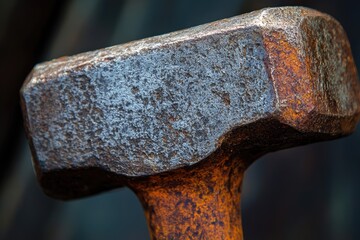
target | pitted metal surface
[{"x": 165, "y": 102}]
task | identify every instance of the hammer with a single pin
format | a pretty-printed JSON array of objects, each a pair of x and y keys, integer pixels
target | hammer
[{"x": 178, "y": 118}]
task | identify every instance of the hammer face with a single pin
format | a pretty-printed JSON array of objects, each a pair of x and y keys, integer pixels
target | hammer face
[
  {"x": 153, "y": 111},
  {"x": 170, "y": 101}
]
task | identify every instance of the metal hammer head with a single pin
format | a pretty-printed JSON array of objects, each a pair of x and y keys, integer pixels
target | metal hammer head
[{"x": 261, "y": 81}]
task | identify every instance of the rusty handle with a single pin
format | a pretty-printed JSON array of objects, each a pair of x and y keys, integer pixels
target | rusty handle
[{"x": 198, "y": 202}]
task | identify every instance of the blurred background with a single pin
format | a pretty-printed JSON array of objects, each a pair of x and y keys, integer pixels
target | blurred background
[{"x": 309, "y": 192}]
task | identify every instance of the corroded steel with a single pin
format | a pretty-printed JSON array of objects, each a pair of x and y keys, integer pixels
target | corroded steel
[
  {"x": 161, "y": 103},
  {"x": 153, "y": 114},
  {"x": 197, "y": 202}
]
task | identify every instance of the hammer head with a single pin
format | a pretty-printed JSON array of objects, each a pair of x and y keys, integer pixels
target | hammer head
[{"x": 261, "y": 81}]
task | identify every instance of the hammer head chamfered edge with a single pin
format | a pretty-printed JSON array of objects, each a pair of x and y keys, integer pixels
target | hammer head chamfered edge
[{"x": 266, "y": 80}]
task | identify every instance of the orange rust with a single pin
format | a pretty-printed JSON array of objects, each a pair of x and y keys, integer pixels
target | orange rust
[
  {"x": 327, "y": 49},
  {"x": 290, "y": 75},
  {"x": 201, "y": 202}
]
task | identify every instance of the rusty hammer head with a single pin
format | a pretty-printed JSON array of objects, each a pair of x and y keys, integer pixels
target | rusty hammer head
[{"x": 260, "y": 82}]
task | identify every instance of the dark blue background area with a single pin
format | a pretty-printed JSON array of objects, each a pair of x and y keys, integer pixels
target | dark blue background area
[{"x": 309, "y": 192}]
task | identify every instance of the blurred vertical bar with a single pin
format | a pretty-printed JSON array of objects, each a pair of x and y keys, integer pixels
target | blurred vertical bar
[{"x": 25, "y": 28}]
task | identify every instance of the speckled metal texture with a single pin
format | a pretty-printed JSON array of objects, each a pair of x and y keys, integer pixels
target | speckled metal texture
[{"x": 161, "y": 103}]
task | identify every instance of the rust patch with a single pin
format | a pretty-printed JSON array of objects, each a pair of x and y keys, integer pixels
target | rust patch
[
  {"x": 290, "y": 76},
  {"x": 201, "y": 202},
  {"x": 331, "y": 65}
]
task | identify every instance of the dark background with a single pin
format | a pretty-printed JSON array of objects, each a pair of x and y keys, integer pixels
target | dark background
[{"x": 309, "y": 192}]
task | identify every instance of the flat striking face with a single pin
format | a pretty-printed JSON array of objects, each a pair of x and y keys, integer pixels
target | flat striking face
[{"x": 269, "y": 79}]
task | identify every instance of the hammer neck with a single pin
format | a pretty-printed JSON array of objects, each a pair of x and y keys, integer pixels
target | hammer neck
[{"x": 201, "y": 202}]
